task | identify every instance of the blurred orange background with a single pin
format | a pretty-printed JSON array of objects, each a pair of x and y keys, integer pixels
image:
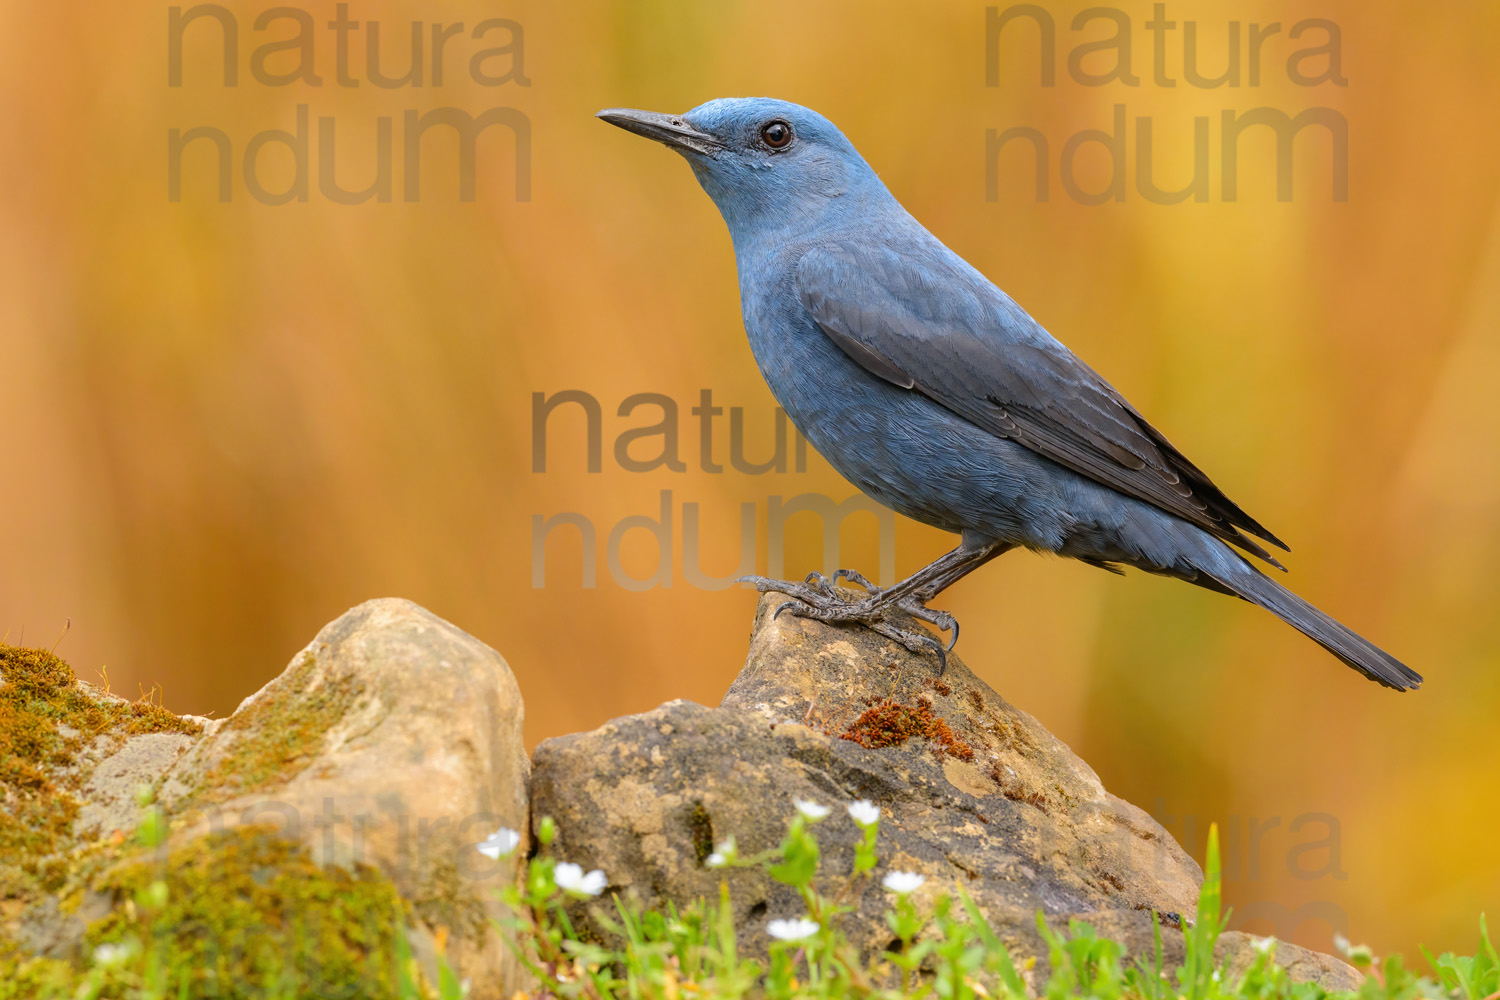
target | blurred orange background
[{"x": 225, "y": 423}]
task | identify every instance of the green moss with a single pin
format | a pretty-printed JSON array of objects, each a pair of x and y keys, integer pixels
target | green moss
[
  {"x": 236, "y": 914},
  {"x": 24, "y": 977},
  {"x": 246, "y": 910},
  {"x": 278, "y": 735},
  {"x": 46, "y": 718}
]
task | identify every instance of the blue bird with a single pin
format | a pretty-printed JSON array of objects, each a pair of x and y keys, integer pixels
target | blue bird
[{"x": 927, "y": 387}]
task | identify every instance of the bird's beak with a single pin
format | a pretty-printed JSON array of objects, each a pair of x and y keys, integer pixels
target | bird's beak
[{"x": 671, "y": 130}]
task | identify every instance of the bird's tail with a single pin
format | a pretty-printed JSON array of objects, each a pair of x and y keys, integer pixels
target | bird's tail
[{"x": 1354, "y": 649}]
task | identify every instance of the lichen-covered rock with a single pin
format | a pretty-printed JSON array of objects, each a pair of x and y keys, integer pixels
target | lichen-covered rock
[
  {"x": 246, "y": 906},
  {"x": 974, "y": 793},
  {"x": 326, "y": 824},
  {"x": 66, "y": 746},
  {"x": 392, "y": 741},
  {"x": 107, "y": 799}
]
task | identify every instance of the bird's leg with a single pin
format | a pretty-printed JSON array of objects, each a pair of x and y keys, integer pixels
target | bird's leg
[
  {"x": 817, "y": 597},
  {"x": 943, "y": 581}
]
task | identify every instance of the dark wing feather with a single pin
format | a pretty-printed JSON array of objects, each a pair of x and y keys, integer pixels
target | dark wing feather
[{"x": 926, "y": 321}]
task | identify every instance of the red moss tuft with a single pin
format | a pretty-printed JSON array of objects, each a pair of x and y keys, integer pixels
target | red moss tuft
[{"x": 888, "y": 724}]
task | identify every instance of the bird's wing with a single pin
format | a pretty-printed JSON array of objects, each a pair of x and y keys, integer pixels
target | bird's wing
[{"x": 927, "y": 321}]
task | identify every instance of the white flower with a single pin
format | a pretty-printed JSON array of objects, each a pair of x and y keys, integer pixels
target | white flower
[
  {"x": 792, "y": 930},
  {"x": 903, "y": 883},
  {"x": 1265, "y": 945},
  {"x": 864, "y": 812},
  {"x": 811, "y": 810},
  {"x": 1357, "y": 954},
  {"x": 499, "y": 844},
  {"x": 570, "y": 877},
  {"x": 110, "y": 955},
  {"x": 726, "y": 853}
]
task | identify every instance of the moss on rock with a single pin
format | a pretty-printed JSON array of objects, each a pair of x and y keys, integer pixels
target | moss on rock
[
  {"x": 47, "y": 716},
  {"x": 239, "y": 914},
  {"x": 247, "y": 908},
  {"x": 367, "y": 713},
  {"x": 888, "y": 723},
  {"x": 276, "y": 736}
]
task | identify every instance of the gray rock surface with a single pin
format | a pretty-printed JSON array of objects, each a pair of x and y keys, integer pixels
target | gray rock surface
[
  {"x": 107, "y": 799},
  {"x": 973, "y": 792}
]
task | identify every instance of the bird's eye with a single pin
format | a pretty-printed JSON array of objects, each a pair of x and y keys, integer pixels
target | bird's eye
[{"x": 777, "y": 135}]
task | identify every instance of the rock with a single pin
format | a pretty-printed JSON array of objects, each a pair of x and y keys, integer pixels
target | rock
[
  {"x": 336, "y": 810},
  {"x": 46, "y": 929},
  {"x": 1303, "y": 964},
  {"x": 108, "y": 798},
  {"x": 392, "y": 741},
  {"x": 974, "y": 793},
  {"x": 62, "y": 740}
]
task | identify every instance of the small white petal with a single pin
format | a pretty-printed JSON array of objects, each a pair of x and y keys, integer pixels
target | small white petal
[
  {"x": 571, "y": 878},
  {"x": 902, "y": 883},
  {"x": 864, "y": 812},
  {"x": 715, "y": 860},
  {"x": 111, "y": 954},
  {"x": 811, "y": 810},
  {"x": 792, "y": 930},
  {"x": 1265, "y": 945},
  {"x": 499, "y": 844}
]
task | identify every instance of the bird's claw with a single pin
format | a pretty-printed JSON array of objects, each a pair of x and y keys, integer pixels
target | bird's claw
[
  {"x": 821, "y": 583},
  {"x": 817, "y": 597},
  {"x": 855, "y": 576},
  {"x": 943, "y": 621}
]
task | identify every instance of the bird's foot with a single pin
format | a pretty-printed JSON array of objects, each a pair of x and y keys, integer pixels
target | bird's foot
[{"x": 818, "y": 597}]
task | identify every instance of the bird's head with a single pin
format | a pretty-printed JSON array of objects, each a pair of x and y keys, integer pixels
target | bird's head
[{"x": 765, "y": 163}]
